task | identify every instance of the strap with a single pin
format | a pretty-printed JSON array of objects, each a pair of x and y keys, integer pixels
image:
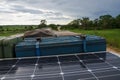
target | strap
[
  {"x": 83, "y": 37},
  {"x": 84, "y": 45},
  {"x": 37, "y": 48}
]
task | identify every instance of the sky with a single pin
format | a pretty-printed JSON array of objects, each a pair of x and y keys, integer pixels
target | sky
[{"x": 27, "y": 12}]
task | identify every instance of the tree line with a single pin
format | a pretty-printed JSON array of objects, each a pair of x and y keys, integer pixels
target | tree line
[{"x": 103, "y": 22}]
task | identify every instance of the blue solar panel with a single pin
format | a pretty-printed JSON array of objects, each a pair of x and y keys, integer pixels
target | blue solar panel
[{"x": 89, "y": 66}]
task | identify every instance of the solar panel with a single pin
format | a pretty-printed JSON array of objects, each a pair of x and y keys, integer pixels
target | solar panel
[{"x": 89, "y": 66}]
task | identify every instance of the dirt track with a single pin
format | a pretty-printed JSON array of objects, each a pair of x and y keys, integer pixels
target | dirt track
[
  {"x": 64, "y": 33},
  {"x": 111, "y": 49}
]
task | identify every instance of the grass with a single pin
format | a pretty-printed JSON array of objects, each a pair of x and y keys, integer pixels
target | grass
[
  {"x": 112, "y": 36},
  {"x": 8, "y": 33}
]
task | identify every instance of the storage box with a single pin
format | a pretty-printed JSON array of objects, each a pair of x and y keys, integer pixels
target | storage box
[
  {"x": 9, "y": 46},
  {"x": 1, "y": 47},
  {"x": 71, "y": 44},
  {"x": 25, "y": 49},
  {"x": 61, "y": 45},
  {"x": 95, "y": 43}
]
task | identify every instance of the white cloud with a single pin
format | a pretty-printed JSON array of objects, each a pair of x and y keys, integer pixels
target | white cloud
[{"x": 55, "y": 11}]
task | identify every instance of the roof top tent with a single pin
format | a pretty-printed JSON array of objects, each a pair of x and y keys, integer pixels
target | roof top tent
[{"x": 47, "y": 32}]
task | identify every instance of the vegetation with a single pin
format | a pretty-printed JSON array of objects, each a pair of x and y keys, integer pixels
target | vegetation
[
  {"x": 103, "y": 22},
  {"x": 106, "y": 26},
  {"x": 7, "y": 30},
  {"x": 42, "y": 24}
]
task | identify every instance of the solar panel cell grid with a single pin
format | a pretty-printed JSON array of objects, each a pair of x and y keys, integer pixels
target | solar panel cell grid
[{"x": 65, "y": 67}]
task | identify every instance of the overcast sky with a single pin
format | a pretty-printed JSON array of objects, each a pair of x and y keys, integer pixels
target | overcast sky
[{"x": 54, "y": 11}]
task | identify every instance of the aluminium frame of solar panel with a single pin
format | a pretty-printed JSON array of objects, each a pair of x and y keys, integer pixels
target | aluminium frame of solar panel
[{"x": 62, "y": 67}]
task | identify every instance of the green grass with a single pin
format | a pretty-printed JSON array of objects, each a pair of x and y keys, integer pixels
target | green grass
[
  {"x": 8, "y": 33},
  {"x": 112, "y": 36}
]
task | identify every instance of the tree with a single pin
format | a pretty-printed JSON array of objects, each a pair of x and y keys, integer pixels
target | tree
[
  {"x": 75, "y": 23},
  {"x": 96, "y": 24},
  {"x": 42, "y": 24},
  {"x": 85, "y": 22},
  {"x": 30, "y": 27},
  {"x": 117, "y": 21},
  {"x": 25, "y": 27},
  {"x": 53, "y": 26},
  {"x": 1, "y": 28},
  {"x": 105, "y": 21}
]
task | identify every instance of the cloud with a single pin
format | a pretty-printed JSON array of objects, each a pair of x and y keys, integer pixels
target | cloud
[
  {"x": 6, "y": 12},
  {"x": 55, "y": 11},
  {"x": 26, "y": 10}
]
